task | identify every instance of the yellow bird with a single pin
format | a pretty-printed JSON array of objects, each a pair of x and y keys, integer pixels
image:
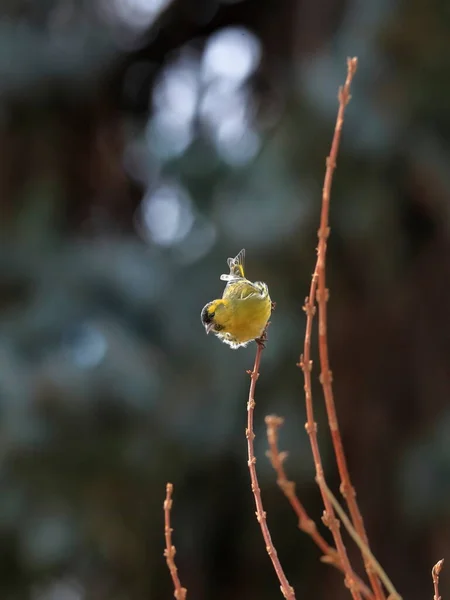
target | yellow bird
[{"x": 241, "y": 315}]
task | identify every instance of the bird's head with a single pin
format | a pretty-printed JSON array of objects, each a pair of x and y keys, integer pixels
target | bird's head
[{"x": 214, "y": 315}]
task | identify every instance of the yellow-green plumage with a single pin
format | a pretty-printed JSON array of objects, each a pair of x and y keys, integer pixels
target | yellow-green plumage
[{"x": 241, "y": 315}]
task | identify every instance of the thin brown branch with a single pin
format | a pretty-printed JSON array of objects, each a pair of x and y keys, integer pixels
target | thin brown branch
[
  {"x": 305, "y": 523},
  {"x": 306, "y": 362},
  {"x": 179, "y": 591},
  {"x": 435, "y": 572},
  {"x": 365, "y": 550},
  {"x": 347, "y": 489},
  {"x": 286, "y": 589}
]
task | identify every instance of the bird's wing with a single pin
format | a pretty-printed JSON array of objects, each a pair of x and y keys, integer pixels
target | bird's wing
[
  {"x": 243, "y": 289},
  {"x": 256, "y": 288}
]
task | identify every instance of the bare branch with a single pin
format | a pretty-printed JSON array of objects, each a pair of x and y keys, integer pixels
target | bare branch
[
  {"x": 305, "y": 359},
  {"x": 179, "y": 591},
  {"x": 347, "y": 489},
  {"x": 305, "y": 523},
  {"x": 365, "y": 550},
  {"x": 286, "y": 589},
  {"x": 435, "y": 572}
]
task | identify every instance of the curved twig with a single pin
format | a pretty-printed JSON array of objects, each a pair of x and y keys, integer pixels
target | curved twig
[
  {"x": 305, "y": 523},
  {"x": 286, "y": 589}
]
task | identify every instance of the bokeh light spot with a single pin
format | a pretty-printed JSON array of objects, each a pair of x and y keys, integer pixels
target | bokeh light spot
[
  {"x": 233, "y": 53},
  {"x": 136, "y": 14},
  {"x": 88, "y": 347},
  {"x": 167, "y": 215}
]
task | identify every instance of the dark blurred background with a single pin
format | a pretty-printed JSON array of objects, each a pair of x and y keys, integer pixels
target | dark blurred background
[{"x": 142, "y": 143}]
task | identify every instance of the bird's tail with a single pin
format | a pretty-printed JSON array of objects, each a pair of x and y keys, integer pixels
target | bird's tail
[{"x": 236, "y": 266}]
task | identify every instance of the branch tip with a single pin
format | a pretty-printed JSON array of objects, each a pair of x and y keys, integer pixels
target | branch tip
[
  {"x": 170, "y": 551},
  {"x": 435, "y": 572}
]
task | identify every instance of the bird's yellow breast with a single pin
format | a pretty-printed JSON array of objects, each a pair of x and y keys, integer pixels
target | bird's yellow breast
[
  {"x": 246, "y": 315},
  {"x": 248, "y": 319}
]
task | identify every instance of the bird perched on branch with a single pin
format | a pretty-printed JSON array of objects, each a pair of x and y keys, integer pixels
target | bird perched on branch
[{"x": 241, "y": 315}]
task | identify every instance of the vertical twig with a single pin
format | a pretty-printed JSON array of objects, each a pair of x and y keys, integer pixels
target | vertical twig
[
  {"x": 305, "y": 523},
  {"x": 305, "y": 359},
  {"x": 169, "y": 553},
  {"x": 435, "y": 572},
  {"x": 347, "y": 489},
  {"x": 286, "y": 589}
]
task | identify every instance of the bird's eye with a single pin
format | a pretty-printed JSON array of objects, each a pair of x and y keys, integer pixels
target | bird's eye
[
  {"x": 211, "y": 315},
  {"x": 206, "y": 315}
]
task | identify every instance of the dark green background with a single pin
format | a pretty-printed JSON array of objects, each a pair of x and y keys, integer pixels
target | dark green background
[{"x": 109, "y": 386}]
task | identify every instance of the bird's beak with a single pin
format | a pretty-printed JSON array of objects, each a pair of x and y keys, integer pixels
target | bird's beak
[{"x": 208, "y": 327}]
